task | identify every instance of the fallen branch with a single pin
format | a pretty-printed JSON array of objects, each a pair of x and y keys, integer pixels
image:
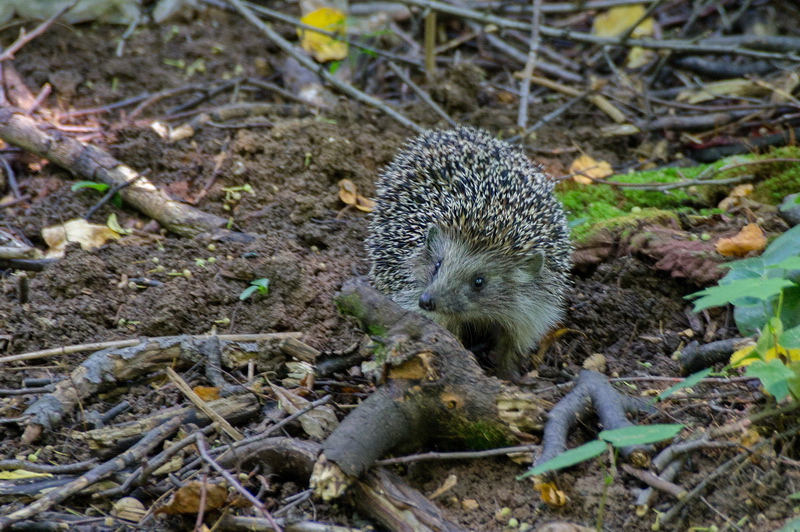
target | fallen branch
[
  {"x": 434, "y": 390},
  {"x": 92, "y": 163}
]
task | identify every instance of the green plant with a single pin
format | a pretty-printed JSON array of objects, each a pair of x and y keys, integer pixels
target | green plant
[
  {"x": 626, "y": 436},
  {"x": 259, "y": 285},
  {"x": 100, "y": 187},
  {"x": 765, "y": 294}
]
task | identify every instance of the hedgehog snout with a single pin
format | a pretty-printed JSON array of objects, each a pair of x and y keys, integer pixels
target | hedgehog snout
[{"x": 427, "y": 302}]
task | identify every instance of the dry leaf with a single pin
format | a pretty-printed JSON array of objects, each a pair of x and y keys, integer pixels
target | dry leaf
[
  {"x": 364, "y": 204},
  {"x": 128, "y": 509},
  {"x": 551, "y": 495},
  {"x": 750, "y": 238},
  {"x": 207, "y": 393},
  {"x": 17, "y": 474},
  {"x": 736, "y": 195},
  {"x": 186, "y": 500},
  {"x": 725, "y": 88},
  {"x": 595, "y": 362},
  {"x": 450, "y": 482},
  {"x": 89, "y": 236},
  {"x": 470, "y": 504},
  {"x": 348, "y": 191},
  {"x": 322, "y": 47},
  {"x": 585, "y": 167},
  {"x": 317, "y": 423},
  {"x": 619, "y": 19}
]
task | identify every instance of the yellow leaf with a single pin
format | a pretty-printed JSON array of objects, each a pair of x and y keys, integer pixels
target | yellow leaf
[
  {"x": 89, "y": 236},
  {"x": 17, "y": 474},
  {"x": 587, "y": 169},
  {"x": 750, "y": 238},
  {"x": 725, "y": 88},
  {"x": 551, "y": 495},
  {"x": 738, "y": 359},
  {"x": 639, "y": 57},
  {"x": 619, "y": 19},
  {"x": 321, "y": 46}
]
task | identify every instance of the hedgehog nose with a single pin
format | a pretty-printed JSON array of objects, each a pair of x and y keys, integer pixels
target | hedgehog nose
[{"x": 426, "y": 302}]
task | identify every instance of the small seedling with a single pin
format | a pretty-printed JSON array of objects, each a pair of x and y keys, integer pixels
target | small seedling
[
  {"x": 259, "y": 285},
  {"x": 100, "y": 187}
]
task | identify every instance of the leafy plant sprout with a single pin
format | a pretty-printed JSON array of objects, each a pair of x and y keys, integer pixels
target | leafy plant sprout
[{"x": 259, "y": 285}]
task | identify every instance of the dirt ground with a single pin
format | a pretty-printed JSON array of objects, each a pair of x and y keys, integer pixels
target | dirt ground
[{"x": 309, "y": 244}]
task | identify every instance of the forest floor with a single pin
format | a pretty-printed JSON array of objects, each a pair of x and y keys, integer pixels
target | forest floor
[{"x": 309, "y": 243}]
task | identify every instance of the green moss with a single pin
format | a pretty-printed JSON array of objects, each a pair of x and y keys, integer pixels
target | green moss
[
  {"x": 623, "y": 222},
  {"x": 590, "y": 205},
  {"x": 481, "y": 435}
]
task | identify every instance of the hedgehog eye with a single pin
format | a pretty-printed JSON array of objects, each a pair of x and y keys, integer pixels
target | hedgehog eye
[
  {"x": 437, "y": 266},
  {"x": 478, "y": 283}
]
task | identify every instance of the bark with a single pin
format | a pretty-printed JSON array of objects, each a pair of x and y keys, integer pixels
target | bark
[{"x": 93, "y": 164}]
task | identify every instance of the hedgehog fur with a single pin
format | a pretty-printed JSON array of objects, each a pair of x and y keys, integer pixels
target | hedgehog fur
[{"x": 467, "y": 231}]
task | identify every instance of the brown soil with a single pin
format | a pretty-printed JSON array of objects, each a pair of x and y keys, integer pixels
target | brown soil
[{"x": 309, "y": 245}]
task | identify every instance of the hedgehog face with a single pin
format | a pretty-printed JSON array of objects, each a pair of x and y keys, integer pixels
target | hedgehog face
[{"x": 459, "y": 283}]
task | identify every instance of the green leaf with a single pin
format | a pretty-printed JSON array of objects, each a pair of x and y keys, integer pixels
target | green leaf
[
  {"x": 786, "y": 245},
  {"x": 760, "y": 289},
  {"x": 568, "y": 458},
  {"x": 791, "y": 263},
  {"x": 791, "y": 339},
  {"x": 774, "y": 377},
  {"x": 772, "y": 330},
  {"x": 795, "y": 496},
  {"x": 689, "y": 381},
  {"x": 791, "y": 526},
  {"x": 247, "y": 292},
  {"x": 262, "y": 284},
  {"x": 640, "y": 434},
  {"x": 102, "y": 187}
]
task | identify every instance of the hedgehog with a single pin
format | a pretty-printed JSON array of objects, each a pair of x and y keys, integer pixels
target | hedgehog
[{"x": 466, "y": 231}]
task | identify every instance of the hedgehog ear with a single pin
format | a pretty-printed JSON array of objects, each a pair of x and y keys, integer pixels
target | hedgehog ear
[
  {"x": 431, "y": 237},
  {"x": 534, "y": 263}
]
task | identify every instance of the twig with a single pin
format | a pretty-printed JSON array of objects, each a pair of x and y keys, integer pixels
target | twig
[
  {"x": 567, "y": 7},
  {"x": 106, "y": 108},
  {"x": 201, "y": 405},
  {"x": 25, "y": 38},
  {"x": 56, "y": 351},
  {"x": 43, "y": 93},
  {"x": 128, "y": 32},
  {"x": 430, "y": 43},
  {"x": 202, "y": 448},
  {"x": 550, "y": 116},
  {"x": 307, "y": 62},
  {"x": 101, "y": 472},
  {"x": 525, "y": 84},
  {"x": 598, "y": 100},
  {"x": 110, "y": 194},
  {"x": 677, "y": 45},
  {"x": 12, "y": 180},
  {"x": 277, "y": 15},
  {"x": 424, "y": 96},
  {"x": 467, "y": 455},
  {"x": 66, "y": 469}
]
